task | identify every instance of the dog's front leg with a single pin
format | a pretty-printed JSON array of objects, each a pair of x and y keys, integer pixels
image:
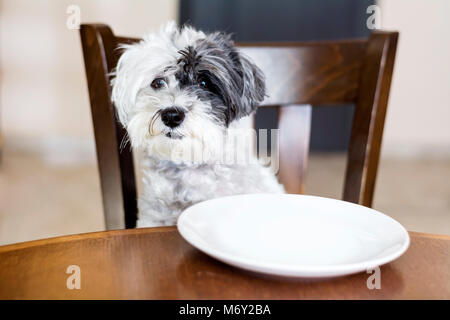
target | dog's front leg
[{"x": 155, "y": 214}]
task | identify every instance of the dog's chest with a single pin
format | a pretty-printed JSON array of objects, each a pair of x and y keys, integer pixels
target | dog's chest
[{"x": 183, "y": 185}]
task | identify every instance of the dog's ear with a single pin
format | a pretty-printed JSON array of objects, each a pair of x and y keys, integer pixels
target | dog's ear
[
  {"x": 252, "y": 84},
  {"x": 254, "y": 88},
  {"x": 125, "y": 81},
  {"x": 240, "y": 82}
]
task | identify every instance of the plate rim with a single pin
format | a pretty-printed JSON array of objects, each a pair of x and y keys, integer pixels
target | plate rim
[{"x": 291, "y": 270}]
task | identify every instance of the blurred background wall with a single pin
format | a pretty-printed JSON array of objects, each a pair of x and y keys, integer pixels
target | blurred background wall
[
  {"x": 44, "y": 99},
  {"x": 417, "y": 122}
]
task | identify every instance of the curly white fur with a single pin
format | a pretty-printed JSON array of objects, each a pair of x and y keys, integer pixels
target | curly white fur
[{"x": 172, "y": 181}]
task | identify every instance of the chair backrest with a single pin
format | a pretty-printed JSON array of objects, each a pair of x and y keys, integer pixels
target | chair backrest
[{"x": 298, "y": 75}]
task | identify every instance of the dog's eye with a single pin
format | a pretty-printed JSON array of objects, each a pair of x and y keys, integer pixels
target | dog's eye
[
  {"x": 203, "y": 84},
  {"x": 158, "y": 83}
]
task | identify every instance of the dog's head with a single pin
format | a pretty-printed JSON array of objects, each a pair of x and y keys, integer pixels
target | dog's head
[{"x": 182, "y": 86}]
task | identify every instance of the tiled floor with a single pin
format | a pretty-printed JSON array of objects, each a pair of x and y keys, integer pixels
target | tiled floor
[{"x": 38, "y": 200}]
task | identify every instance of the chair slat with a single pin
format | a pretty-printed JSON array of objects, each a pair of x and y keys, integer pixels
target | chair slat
[
  {"x": 115, "y": 164},
  {"x": 368, "y": 122},
  {"x": 321, "y": 73},
  {"x": 294, "y": 124}
]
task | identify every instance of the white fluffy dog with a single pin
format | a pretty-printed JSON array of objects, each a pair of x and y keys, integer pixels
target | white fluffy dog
[{"x": 179, "y": 93}]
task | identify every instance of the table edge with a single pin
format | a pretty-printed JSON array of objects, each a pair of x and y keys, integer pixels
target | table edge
[
  {"x": 123, "y": 232},
  {"x": 84, "y": 236}
]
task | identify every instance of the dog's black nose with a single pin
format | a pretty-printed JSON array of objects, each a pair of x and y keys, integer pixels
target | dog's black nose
[{"x": 172, "y": 117}]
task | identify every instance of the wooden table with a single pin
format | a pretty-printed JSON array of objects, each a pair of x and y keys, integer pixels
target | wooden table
[{"x": 157, "y": 263}]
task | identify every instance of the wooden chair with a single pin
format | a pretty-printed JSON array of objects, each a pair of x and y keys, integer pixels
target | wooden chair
[{"x": 298, "y": 75}]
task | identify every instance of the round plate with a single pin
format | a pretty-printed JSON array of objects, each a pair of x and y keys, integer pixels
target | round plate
[{"x": 293, "y": 235}]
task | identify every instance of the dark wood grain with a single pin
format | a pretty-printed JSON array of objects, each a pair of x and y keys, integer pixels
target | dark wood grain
[
  {"x": 294, "y": 126},
  {"x": 115, "y": 161},
  {"x": 368, "y": 122},
  {"x": 354, "y": 71},
  {"x": 157, "y": 263},
  {"x": 319, "y": 73}
]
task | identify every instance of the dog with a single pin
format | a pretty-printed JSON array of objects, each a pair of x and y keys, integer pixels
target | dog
[{"x": 178, "y": 93}]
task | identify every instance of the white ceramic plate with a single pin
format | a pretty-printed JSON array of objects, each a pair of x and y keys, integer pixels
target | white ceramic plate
[{"x": 293, "y": 235}]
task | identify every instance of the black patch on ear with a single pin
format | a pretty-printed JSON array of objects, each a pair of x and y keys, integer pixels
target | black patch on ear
[{"x": 254, "y": 89}]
